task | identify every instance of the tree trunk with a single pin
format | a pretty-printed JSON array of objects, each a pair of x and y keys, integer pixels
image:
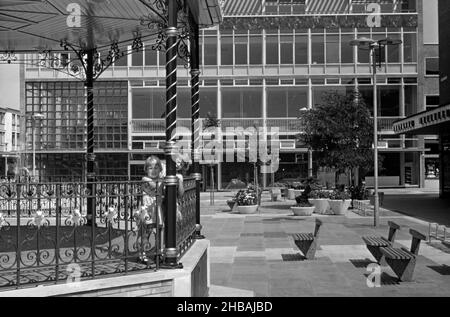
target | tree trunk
[{"x": 336, "y": 178}]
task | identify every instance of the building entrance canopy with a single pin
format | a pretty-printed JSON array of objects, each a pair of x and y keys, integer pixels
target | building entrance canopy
[
  {"x": 43, "y": 25},
  {"x": 428, "y": 122}
]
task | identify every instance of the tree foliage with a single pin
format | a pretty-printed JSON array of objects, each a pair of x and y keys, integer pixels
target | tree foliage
[{"x": 340, "y": 132}]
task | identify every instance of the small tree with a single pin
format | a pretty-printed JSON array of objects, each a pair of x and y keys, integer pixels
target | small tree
[
  {"x": 340, "y": 132},
  {"x": 211, "y": 122}
]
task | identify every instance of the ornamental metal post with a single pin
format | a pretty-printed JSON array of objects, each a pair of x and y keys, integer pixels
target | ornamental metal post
[
  {"x": 195, "y": 92},
  {"x": 90, "y": 156},
  {"x": 171, "y": 252},
  {"x": 376, "y": 209}
]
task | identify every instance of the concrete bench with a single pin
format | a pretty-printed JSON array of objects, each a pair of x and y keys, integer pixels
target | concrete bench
[
  {"x": 308, "y": 242},
  {"x": 403, "y": 261},
  {"x": 374, "y": 244}
]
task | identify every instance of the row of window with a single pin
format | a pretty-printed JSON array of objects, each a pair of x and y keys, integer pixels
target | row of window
[
  {"x": 247, "y": 48},
  {"x": 301, "y": 81},
  {"x": 286, "y": 7},
  {"x": 15, "y": 138},
  {"x": 73, "y": 165},
  {"x": 15, "y": 119},
  {"x": 282, "y": 102},
  {"x": 65, "y": 120}
]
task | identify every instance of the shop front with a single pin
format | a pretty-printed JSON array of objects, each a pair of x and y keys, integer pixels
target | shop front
[{"x": 436, "y": 166}]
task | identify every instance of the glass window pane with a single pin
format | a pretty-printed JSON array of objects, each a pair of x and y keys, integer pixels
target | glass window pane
[
  {"x": 363, "y": 56},
  {"x": 332, "y": 49},
  {"x": 162, "y": 58},
  {"x": 227, "y": 50},
  {"x": 242, "y": 102},
  {"x": 297, "y": 99},
  {"x": 210, "y": 50},
  {"x": 251, "y": 102},
  {"x": 389, "y": 101},
  {"x": 241, "y": 43},
  {"x": 150, "y": 56},
  {"x": 184, "y": 103},
  {"x": 231, "y": 103},
  {"x": 208, "y": 101},
  {"x": 394, "y": 50},
  {"x": 286, "y": 49},
  {"x": 276, "y": 103},
  {"x": 346, "y": 48},
  {"x": 137, "y": 58},
  {"x": 148, "y": 103},
  {"x": 317, "y": 49},
  {"x": 123, "y": 61},
  {"x": 272, "y": 50},
  {"x": 301, "y": 49},
  {"x": 432, "y": 66},
  {"x": 256, "y": 50},
  {"x": 410, "y": 47}
]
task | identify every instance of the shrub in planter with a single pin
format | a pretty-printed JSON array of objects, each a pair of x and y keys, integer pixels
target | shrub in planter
[
  {"x": 303, "y": 207},
  {"x": 319, "y": 198},
  {"x": 339, "y": 202},
  {"x": 247, "y": 201},
  {"x": 360, "y": 195}
]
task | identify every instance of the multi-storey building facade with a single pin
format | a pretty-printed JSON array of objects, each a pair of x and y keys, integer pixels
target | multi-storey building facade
[
  {"x": 265, "y": 62},
  {"x": 436, "y": 120},
  {"x": 10, "y": 120}
]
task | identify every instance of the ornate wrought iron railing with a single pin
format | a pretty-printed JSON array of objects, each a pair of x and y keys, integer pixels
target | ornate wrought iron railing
[
  {"x": 186, "y": 221},
  {"x": 45, "y": 236}
]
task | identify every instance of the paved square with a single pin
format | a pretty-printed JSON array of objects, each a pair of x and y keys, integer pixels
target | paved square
[{"x": 254, "y": 255}]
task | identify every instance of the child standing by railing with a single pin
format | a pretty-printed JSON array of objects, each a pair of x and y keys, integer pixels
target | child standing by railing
[{"x": 153, "y": 185}]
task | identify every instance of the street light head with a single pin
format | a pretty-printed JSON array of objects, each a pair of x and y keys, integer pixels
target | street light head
[
  {"x": 389, "y": 41},
  {"x": 38, "y": 116},
  {"x": 363, "y": 43}
]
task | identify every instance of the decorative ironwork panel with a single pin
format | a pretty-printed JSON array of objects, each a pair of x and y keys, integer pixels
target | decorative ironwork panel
[
  {"x": 186, "y": 220},
  {"x": 45, "y": 237}
]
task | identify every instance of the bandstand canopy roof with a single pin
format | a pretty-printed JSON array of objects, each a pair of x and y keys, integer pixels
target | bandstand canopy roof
[{"x": 38, "y": 25}]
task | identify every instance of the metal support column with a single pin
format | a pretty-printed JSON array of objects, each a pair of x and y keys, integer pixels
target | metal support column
[
  {"x": 171, "y": 252},
  {"x": 375, "y": 138},
  {"x": 195, "y": 93},
  {"x": 90, "y": 156}
]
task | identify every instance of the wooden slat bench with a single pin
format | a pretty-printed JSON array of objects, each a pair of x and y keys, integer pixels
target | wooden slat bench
[
  {"x": 307, "y": 242},
  {"x": 375, "y": 243},
  {"x": 403, "y": 261}
]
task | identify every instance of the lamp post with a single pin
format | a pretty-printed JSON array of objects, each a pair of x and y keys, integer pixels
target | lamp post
[
  {"x": 375, "y": 48},
  {"x": 34, "y": 117}
]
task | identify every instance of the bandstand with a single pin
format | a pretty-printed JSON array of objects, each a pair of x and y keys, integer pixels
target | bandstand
[{"x": 55, "y": 231}]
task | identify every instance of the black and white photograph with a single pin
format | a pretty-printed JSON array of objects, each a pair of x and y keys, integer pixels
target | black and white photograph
[{"x": 237, "y": 150}]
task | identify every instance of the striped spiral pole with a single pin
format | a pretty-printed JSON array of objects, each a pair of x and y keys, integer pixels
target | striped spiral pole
[
  {"x": 90, "y": 156},
  {"x": 195, "y": 92},
  {"x": 171, "y": 252}
]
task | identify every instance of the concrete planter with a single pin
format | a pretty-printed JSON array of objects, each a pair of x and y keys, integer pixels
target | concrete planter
[
  {"x": 303, "y": 211},
  {"x": 248, "y": 209},
  {"x": 291, "y": 194},
  {"x": 321, "y": 205},
  {"x": 339, "y": 207},
  {"x": 360, "y": 204}
]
